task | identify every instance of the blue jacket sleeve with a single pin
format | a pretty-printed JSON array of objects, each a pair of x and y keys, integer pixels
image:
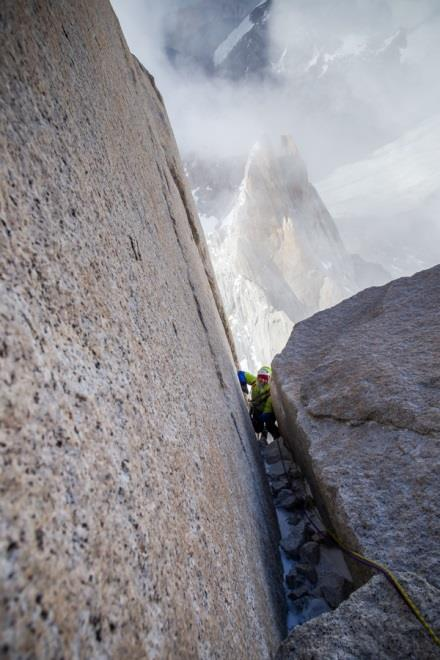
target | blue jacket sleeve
[{"x": 242, "y": 378}]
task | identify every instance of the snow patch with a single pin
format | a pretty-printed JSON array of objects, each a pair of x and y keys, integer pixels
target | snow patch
[
  {"x": 221, "y": 53},
  {"x": 209, "y": 223},
  {"x": 313, "y": 61},
  {"x": 280, "y": 66},
  {"x": 352, "y": 45},
  {"x": 387, "y": 43}
]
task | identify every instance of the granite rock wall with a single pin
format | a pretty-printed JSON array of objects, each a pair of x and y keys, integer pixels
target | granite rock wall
[
  {"x": 134, "y": 517},
  {"x": 357, "y": 393}
]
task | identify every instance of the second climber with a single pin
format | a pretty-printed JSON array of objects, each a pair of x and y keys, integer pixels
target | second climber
[{"x": 261, "y": 409}]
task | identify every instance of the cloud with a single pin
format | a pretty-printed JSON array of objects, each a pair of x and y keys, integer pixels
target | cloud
[
  {"x": 352, "y": 76},
  {"x": 352, "y": 108}
]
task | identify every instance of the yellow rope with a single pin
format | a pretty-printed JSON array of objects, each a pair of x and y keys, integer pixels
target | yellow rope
[
  {"x": 375, "y": 564},
  {"x": 403, "y": 593}
]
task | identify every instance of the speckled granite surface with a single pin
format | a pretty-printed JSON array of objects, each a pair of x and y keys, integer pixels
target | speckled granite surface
[
  {"x": 134, "y": 517},
  {"x": 358, "y": 397}
]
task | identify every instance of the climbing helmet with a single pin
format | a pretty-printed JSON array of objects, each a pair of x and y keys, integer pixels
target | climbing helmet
[{"x": 264, "y": 374}]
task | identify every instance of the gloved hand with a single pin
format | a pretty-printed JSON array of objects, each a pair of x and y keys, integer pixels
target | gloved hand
[{"x": 242, "y": 379}]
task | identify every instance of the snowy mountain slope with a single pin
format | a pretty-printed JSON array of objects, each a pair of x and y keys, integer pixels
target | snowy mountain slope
[
  {"x": 387, "y": 206},
  {"x": 395, "y": 178}
]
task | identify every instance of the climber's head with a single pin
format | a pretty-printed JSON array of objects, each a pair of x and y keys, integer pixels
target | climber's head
[{"x": 264, "y": 375}]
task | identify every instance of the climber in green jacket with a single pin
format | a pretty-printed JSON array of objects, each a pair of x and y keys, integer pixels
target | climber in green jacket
[{"x": 261, "y": 409}]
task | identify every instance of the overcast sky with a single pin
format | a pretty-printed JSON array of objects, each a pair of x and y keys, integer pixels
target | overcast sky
[{"x": 213, "y": 117}]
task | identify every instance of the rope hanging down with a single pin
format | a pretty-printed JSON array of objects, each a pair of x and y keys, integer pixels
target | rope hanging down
[{"x": 372, "y": 564}]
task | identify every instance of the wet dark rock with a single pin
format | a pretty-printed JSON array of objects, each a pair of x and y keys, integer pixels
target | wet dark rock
[
  {"x": 278, "y": 484},
  {"x": 300, "y": 604},
  {"x": 298, "y": 592},
  {"x": 291, "y": 498},
  {"x": 334, "y": 588},
  {"x": 275, "y": 458},
  {"x": 311, "y": 534},
  {"x": 334, "y": 580},
  {"x": 276, "y": 470},
  {"x": 310, "y": 552},
  {"x": 291, "y": 543},
  {"x": 295, "y": 516},
  {"x": 276, "y": 452},
  {"x": 295, "y": 473},
  {"x": 307, "y": 571},
  {"x": 316, "y": 583},
  {"x": 295, "y": 579},
  {"x": 286, "y": 499},
  {"x": 296, "y": 484},
  {"x": 314, "y": 607}
]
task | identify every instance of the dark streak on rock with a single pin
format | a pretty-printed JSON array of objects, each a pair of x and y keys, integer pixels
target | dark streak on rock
[
  {"x": 8, "y": 231},
  {"x": 196, "y": 300},
  {"x": 135, "y": 247},
  {"x": 204, "y": 257},
  {"x": 243, "y": 446}
]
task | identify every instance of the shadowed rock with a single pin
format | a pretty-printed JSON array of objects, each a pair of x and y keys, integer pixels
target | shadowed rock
[
  {"x": 310, "y": 552},
  {"x": 295, "y": 539}
]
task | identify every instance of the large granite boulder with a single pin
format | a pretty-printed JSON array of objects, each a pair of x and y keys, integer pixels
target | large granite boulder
[
  {"x": 357, "y": 393},
  {"x": 134, "y": 517}
]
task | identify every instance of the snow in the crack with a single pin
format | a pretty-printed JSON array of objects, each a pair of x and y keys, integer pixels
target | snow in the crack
[{"x": 232, "y": 40}]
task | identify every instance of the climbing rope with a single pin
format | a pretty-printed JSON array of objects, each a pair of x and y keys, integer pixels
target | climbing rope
[{"x": 371, "y": 563}]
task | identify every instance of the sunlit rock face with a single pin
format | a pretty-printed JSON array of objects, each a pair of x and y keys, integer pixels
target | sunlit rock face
[
  {"x": 357, "y": 394},
  {"x": 134, "y": 522},
  {"x": 278, "y": 255}
]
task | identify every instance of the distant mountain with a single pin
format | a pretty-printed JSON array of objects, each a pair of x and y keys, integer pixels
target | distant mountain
[
  {"x": 386, "y": 205},
  {"x": 245, "y": 52},
  {"x": 278, "y": 256},
  {"x": 346, "y": 91},
  {"x": 193, "y": 32}
]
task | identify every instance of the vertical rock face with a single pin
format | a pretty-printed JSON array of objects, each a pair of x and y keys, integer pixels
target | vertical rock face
[
  {"x": 357, "y": 393},
  {"x": 134, "y": 519}
]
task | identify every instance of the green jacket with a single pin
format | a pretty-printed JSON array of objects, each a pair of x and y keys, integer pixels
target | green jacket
[{"x": 260, "y": 394}]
